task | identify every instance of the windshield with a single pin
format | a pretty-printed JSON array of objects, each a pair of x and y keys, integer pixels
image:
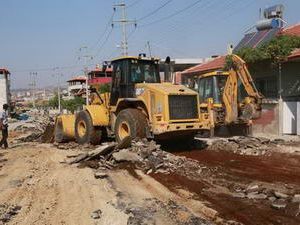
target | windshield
[
  {"x": 221, "y": 81},
  {"x": 144, "y": 71}
]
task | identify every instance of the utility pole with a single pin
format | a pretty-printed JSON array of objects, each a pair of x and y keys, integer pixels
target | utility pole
[
  {"x": 33, "y": 76},
  {"x": 124, "y": 22},
  {"x": 85, "y": 57},
  {"x": 149, "y": 48},
  {"x": 58, "y": 75}
]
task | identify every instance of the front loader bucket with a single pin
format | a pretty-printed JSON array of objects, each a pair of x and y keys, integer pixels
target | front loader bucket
[{"x": 64, "y": 128}]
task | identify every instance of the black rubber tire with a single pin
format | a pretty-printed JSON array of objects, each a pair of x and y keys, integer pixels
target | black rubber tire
[
  {"x": 136, "y": 121},
  {"x": 92, "y": 134}
]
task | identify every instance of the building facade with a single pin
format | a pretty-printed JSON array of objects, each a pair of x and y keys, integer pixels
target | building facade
[{"x": 5, "y": 94}]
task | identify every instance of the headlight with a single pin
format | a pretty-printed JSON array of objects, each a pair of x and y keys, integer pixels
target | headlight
[{"x": 139, "y": 91}]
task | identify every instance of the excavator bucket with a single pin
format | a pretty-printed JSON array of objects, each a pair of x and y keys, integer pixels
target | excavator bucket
[{"x": 64, "y": 128}]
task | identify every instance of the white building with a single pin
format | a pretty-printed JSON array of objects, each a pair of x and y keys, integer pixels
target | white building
[
  {"x": 76, "y": 86},
  {"x": 5, "y": 95}
]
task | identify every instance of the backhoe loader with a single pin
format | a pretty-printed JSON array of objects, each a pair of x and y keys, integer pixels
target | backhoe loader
[
  {"x": 139, "y": 105},
  {"x": 234, "y": 98}
]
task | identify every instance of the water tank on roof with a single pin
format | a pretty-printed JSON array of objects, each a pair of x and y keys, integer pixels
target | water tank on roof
[
  {"x": 267, "y": 24},
  {"x": 275, "y": 11}
]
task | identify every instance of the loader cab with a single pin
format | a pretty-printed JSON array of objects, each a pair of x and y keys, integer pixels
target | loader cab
[
  {"x": 212, "y": 85},
  {"x": 128, "y": 71}
]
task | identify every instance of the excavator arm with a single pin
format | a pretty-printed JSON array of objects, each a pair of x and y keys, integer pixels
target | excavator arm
[{"x": 251, "y": 106}]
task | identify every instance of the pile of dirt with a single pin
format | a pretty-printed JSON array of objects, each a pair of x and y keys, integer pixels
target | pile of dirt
[{"x": 246, "y": 145}]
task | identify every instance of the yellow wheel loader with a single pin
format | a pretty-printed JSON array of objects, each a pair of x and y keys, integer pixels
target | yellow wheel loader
[
  {"x": 139, "y": 105},
  {"x": 234, "y": 98}
]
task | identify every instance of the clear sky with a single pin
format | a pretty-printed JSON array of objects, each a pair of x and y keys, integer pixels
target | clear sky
[{"x": 39, "y": 35}]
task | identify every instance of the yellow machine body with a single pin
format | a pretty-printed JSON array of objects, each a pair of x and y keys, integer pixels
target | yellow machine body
[
  {"x": 230, "y": 105},
  {"x": 154, "y": 101},
  {"x": 64, "y": 127}
]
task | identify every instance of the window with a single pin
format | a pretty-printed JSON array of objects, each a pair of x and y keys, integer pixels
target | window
[
  {"x": 206, "y": 89},
  {"x": 267, "y": 86},
  {"x": 144, "y": 71}
]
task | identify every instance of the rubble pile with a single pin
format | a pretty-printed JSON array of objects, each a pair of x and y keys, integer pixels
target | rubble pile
[
  {"x": 38, "y": 128},
  {"x": 7, "y": 212},
  {"x": 245, "y": 145},
  {"x": 278, "y": 200},
  {"x": 143, "y": 154}
]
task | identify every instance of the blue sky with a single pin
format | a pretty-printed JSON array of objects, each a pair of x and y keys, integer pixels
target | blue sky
[{"x": 38, "y": 35}]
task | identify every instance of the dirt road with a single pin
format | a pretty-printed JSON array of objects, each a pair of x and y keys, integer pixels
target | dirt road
[
  {"x": 50, "y": 192},
  {"x": 208, "y": 187}
]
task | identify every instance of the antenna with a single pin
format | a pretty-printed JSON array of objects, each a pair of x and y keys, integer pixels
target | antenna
[{"x": 124, "y": 22}]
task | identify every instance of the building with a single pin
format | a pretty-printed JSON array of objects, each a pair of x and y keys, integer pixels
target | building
[
  {"x": 100, "y": 75},
  {"x": 5, "y": 95},
  {"x": 76, "y": 86},
  {"x": 280, "y": 84}
]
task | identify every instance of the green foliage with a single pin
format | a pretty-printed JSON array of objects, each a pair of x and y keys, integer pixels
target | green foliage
[
  {"x": 71, "y": 105},
  {"x": 103, "y": 88},
  {"x": 277, "y": 50}
]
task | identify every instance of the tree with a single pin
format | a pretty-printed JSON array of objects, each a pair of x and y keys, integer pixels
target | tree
[
  {"x": 277, "y": 50},
  {"x": 70, "y": 105}
]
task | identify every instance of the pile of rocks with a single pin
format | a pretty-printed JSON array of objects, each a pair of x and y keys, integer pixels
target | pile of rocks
[
  {"x": 7, "y": 212},
  {"x": 143, "y": 154},
  {"x": 278, "y": 199},
  {"x": 245, "y": 145},
  {"x": 33, "y": 129}
]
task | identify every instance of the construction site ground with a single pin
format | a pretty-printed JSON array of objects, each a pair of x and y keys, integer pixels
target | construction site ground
[{"x": 208, "y": 186}]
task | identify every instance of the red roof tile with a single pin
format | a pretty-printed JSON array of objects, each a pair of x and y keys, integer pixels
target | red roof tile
[
  {"x": 215, "y": 64},
  {"x": 295, "y": 54},
  {"x": 79, "y": 78},
  {"x": 292, "y": 30},
  {"x": 3, "y": 70}
]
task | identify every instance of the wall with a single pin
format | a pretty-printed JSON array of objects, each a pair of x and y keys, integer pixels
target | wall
[
  {"x": 268, "y": 123},
  {"x": 3, "y": 90}
]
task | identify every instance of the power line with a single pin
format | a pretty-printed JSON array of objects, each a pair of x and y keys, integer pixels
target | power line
[
  {"x": 104, "y": 42},
  {"x": 173, "y": 14},
  {"x": 109, "y": 23},
  {"x": 156, "y": 10},
  {"x": 133, "y": 3}
]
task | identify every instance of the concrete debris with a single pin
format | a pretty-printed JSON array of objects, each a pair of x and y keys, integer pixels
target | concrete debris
[
  {"x": 238, "y": 195},
  {"x": 296, "y": 198},
  {"x": 126, "y": 156},
  {"x": 38, "y": 128},
  {"x": 100, "y": 175},
  {"x": 78, "y": 159},
  {"x": 96, "y": 214},
  {"x": 256, "y": 196},
  {"x": 278, "y": 194},
  {"x": 7, "y": 212},
  {"x": 245, "y": 145},
  {"x": 253, "y": 188},
  {"x": 279, "y": 204}
]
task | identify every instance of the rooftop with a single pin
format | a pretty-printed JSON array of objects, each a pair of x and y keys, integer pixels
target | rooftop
[
  {"x": 4, "y": 71},
  {"x": 78, "y": 78},
  {"x": 291, "y": 30},
  {"x": 215, "y": 64}
]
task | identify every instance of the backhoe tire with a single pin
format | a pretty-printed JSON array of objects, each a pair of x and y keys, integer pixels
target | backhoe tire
[
  {"x": 131, "y": 122},
  {"x": 85, "y": 132}
]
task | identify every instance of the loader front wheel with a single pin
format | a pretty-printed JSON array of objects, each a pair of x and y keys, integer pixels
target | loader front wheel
[
  {"x": 85, "y": 132},
  {"x": 130, "y": 122}
]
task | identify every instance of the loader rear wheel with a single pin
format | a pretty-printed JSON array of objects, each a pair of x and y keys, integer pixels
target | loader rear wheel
[
  {"x": 130, "y": 122},
  {"x": 85, "y": 132}
]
